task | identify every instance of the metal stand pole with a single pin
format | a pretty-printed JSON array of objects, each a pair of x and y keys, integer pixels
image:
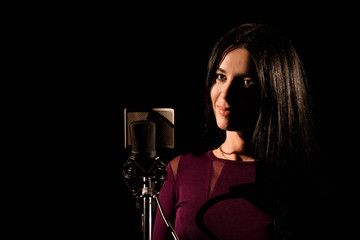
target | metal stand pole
[
  {"x": 147, "y": 194},
  {"x": 144, "y": 182}
]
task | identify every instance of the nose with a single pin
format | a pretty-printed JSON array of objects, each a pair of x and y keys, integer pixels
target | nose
[{"x": 229, "y": 91}]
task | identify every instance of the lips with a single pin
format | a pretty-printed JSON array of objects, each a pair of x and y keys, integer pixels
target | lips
[{"x": 224, "y": 111}]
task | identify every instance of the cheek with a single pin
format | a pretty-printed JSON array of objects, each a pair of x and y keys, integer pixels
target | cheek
[{"x": 214, "y": 94}]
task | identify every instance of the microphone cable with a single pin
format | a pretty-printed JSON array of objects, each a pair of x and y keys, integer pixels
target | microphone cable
[{"x": 173, "y": 233}]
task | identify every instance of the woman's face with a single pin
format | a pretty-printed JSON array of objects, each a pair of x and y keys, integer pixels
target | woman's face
[{"x": 234, "y": 95}]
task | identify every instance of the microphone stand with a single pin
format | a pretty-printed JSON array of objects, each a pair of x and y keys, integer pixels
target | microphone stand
[
  {"x": 144, "y": 172},
  {"x": 147, "y": 195},
  {"x": 133, "y": 171}
]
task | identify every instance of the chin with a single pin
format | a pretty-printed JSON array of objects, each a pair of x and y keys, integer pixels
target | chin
[
  {"x": 227, "y": 125},
  {"x": 223, "y": 124}
]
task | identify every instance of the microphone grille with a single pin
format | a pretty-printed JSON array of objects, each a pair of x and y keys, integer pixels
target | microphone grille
[{"x": 143, "y": 139}]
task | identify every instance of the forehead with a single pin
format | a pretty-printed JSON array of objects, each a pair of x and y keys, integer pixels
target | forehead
[{"x": 237, "y": 61}]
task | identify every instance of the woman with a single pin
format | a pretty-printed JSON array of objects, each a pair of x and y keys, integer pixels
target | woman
[{"x": 247, "y": 186}]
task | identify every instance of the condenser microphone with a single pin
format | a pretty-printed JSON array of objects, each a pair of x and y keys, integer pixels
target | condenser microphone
[
  {"x": 144, "y": 172},
  {"x": 143, "y": 161},
  {"x": 143, "y": 139}
]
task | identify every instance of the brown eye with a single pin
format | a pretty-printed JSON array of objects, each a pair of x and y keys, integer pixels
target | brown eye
[
  {"x": 248, "y": 83},
  {"x": 220, "y": 77}
]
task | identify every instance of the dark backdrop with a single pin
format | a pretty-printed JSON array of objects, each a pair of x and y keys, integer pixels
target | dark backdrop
[
  {"x": 112, "y": 57},
  {"x": 166, "y": 68}
]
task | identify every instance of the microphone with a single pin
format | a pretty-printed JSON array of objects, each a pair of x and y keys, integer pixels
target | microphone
[
  {"x": 144, "y": 170},
  {"x": 143, "y": 140},
  {"x": 143, "y": 161},
  {"x": 144, "y": 173}
]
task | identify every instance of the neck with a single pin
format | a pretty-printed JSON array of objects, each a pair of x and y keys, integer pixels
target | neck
[
  {"x": 235, "y": 142},
  {"x": 235, "y": 147}
]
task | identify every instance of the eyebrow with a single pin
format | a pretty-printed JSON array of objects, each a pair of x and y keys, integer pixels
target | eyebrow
[
  {"x": 221, "y": 70},
  {"x": 239, "y": 75}
]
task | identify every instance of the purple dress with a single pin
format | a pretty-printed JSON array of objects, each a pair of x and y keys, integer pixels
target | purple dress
[{"x": 199, "y": 200}]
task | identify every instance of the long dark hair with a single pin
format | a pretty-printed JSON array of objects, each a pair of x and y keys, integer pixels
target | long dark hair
[
  {"x": 285, "y": 126},
  {"x": 283, "y": 138}
]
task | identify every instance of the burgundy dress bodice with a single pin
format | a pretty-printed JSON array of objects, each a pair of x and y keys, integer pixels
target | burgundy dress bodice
[{"x": 201, "y": 202}]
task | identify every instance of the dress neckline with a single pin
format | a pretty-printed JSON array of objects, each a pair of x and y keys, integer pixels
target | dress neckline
[{"x": 213, "y": 157}]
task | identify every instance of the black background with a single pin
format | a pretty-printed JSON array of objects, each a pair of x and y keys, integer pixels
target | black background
[
  {"x": 98, "y": 60},
  {"x": 174, "y": 50}
]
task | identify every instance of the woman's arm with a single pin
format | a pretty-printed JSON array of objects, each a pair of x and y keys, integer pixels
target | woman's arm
[{"x": 167, "y": 197}]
